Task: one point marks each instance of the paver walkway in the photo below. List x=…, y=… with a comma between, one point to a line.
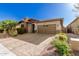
x=22, y=48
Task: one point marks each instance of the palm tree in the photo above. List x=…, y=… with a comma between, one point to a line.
x=8, y=26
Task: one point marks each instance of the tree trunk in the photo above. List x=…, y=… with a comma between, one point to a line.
x=5, y=34
x=4, y=31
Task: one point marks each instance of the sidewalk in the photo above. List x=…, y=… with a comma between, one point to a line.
x=22, y=48
x=5, y=52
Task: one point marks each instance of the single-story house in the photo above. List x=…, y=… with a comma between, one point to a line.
x=45, y=26
x=73, y=27
x=28, y=24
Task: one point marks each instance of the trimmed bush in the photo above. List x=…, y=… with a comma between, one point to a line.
x=61, y=43
x=62, y=36
x=12, y=32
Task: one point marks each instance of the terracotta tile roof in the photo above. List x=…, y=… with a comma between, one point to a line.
x=28, y=19
x=37, y=21
x=49, y=20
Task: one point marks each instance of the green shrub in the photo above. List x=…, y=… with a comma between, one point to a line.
x=12, y=32
x=21, y=30
x=62, y=36
x=60, y=42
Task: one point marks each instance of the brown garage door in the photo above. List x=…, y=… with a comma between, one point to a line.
x=51, y=28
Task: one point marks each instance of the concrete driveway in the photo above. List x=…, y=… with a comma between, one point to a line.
x=73, y=35
x=22, y=48
x=34, y=38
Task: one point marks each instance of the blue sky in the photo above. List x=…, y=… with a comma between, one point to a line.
x=39, y=11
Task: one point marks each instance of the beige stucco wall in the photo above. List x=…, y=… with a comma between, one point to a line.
x=74, y=44
x=18, y=26
x=58, y=24
x=74, y=26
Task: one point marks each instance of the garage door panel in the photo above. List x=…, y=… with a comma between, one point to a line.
x=47, y=28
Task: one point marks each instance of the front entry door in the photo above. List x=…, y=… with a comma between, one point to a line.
x=29, y=28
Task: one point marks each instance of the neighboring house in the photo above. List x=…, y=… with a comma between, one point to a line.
x=46, y=26
x=73, y=27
